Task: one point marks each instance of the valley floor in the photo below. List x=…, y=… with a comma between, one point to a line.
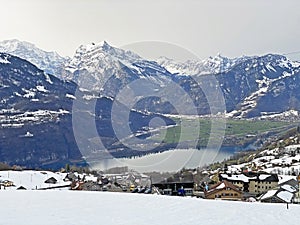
x=71, y=207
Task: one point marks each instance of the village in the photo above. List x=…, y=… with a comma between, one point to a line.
x=270, y=175
x=246, y=186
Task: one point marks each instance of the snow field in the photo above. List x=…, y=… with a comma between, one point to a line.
x=73, y=208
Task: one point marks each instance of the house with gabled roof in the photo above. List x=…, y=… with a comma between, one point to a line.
x=290, y=185
x=277, y=196
x=291, y=181
x=224, y=190
x=251, y=182
x=284, y=193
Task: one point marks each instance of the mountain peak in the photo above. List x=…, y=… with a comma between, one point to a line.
x=13, y=45
x=104, y=44
x=219, y=55
x=95, y=51
x=211, y=65
x=218, y=59
x=50, y=62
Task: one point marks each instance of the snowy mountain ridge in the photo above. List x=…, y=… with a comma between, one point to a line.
x=248, y=83
x=282, y=73
x=258, y=78
x=217, y=64
x=93, y=64
x=51, y=62
x=211, y=65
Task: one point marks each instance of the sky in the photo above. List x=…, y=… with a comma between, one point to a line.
x=157, y=27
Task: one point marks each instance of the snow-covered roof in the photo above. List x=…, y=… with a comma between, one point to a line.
x=285, y=196
x=269, y=194
x=285, y=178
x=221, y=186
x=289, y=188
x=263, y=176
x=236, y=177
x=246, y=178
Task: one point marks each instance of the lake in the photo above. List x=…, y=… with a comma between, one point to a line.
x=168, y=161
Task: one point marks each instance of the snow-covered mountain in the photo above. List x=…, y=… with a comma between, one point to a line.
x=35, y=115
x=211, y=65
x=248, y=84
x=36, y=111
x=93, y=65
x=37, y=108
x=50, y=62
x=261, y=86
x=252, y=86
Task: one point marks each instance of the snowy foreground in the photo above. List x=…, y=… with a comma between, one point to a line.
x=79, y=208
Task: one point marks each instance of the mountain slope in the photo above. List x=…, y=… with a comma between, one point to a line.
x=37, y=109
x=101, y=66
x=36, y=118
x=211, y=65
x=281, y=156
x=250, y=85
x=120, y=74
x=256, y=86
x=261, y=85
x=35, y=121
x=50, y=62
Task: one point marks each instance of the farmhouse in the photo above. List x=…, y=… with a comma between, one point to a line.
x=224, y=190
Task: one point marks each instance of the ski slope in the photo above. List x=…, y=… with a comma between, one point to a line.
x=80, y=208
